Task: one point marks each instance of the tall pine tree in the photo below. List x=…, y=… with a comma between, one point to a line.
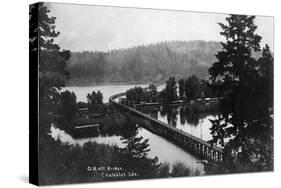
x=52, y=60
x=245, y=117
x=135, y=153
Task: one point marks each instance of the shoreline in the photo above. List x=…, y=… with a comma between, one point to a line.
x=108, y=84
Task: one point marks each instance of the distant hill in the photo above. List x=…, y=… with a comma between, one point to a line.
x=149, y=63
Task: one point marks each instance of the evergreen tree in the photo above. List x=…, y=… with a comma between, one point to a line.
x=152, y=89
x=99, y=98
x=135, y=95
x=135, y=154
x=206, y=89
x=266, y=72
x=68, y=100
x=52, y=60
x=181, y=88
x=95, y=102
x=171, y=90
x=243, y=119
x=192, y=88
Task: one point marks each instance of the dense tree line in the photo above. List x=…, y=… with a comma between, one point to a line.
x=155, y=62
x=95, y=102
x=137, y=95
x=68, y=105
x=188, y=89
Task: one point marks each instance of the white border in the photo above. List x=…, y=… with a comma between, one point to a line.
x=14, y=91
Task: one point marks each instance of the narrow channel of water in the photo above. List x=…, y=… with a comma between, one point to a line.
x=159, y=147
x=165, y=150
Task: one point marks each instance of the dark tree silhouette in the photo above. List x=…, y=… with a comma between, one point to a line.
x=192, y=88
x=245, y=117
x=95, y=102
x=68, y=100
x=181, y=88
x=171, y=90
x=52, y=60
x=207, y=90
x=135, y=153
x=266, y=72
x=153, y=94
x=135, y=95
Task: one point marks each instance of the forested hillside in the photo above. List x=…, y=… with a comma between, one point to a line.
x=149, y=63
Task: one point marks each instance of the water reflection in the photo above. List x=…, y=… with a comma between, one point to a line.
x=181, y=117
x=170, y=114
x=65, y=138
x=107, y=90
x=168, y=152
x=159, y=147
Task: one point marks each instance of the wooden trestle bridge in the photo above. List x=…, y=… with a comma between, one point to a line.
x=183, y=139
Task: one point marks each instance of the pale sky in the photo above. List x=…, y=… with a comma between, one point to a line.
x=101, y=28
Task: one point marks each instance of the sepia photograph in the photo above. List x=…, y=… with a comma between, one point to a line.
x=133, y=93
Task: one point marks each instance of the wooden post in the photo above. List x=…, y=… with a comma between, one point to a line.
x=203, y=150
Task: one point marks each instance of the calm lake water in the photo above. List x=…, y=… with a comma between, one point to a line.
x=195, y=124
x=107, y=90
x=160, y=147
